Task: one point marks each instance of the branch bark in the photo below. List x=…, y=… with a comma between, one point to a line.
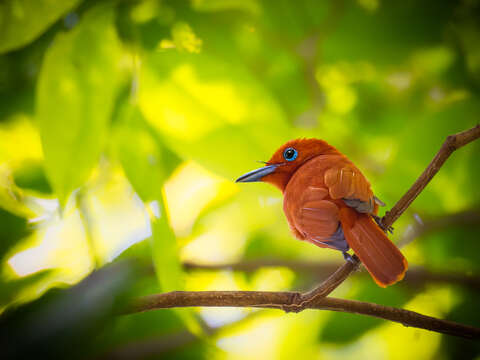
x=317, y=298
x=452, y=143
x=290, y=301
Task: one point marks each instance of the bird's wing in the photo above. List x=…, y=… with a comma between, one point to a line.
x=348, y=183
x=315, y=218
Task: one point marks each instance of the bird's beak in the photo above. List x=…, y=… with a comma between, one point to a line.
x=257, y=175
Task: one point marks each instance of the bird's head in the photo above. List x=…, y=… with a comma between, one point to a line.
x=286, y=160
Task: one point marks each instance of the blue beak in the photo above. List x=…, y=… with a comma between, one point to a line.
x=257, y=175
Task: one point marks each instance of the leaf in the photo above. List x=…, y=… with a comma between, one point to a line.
x=63, y=323
x=32, y=176
x=211, y=111
x=22, y=21
x=75, y=96
x=141, y=157
x=12, y=197
x=167, y=263
x=11, y=288
x=145, y=160
x=14, y=228
x=147, y=164
x=165, y=252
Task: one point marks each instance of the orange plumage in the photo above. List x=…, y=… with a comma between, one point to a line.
x=328, y=202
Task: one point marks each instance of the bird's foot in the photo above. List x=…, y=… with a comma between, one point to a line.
x=379, y=222
x=348, y=257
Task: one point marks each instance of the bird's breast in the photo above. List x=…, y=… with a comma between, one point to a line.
x=307, y=203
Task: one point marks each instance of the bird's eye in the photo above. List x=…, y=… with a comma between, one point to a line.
x=290, y=154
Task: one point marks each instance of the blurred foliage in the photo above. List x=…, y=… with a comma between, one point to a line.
x=344, y=327
x=23, y=21
x=83, y=84
x=123, y=124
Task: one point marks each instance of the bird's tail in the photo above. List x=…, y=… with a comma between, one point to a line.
x=381, y=257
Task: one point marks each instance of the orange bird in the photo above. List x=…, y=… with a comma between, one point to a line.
x=329, y=203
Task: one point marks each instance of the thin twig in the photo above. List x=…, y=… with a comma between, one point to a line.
x=316, y=299
x=452, y=143
x=280, y=300
x=327, y=286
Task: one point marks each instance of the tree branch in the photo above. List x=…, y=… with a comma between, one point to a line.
x=316, y=299
x=290, y=300
x=452, y=143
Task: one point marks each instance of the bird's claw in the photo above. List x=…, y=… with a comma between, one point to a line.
x=379, y=222
x=348, y=257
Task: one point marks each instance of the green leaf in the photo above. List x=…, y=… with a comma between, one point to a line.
x=211, y=111
x=141, y=157
x=75, y=96
x=147, y=163
x=145, y=160
x=12, y=197
x=32, y=176
x=165, y=252
x=14, y=228
x=167, y=263
x=22, y=21
x=11, y=288
x=90, y=306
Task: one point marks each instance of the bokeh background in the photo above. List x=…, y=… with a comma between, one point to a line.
x=123, y=125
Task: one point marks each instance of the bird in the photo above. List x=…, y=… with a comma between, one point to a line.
x=329, y=202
